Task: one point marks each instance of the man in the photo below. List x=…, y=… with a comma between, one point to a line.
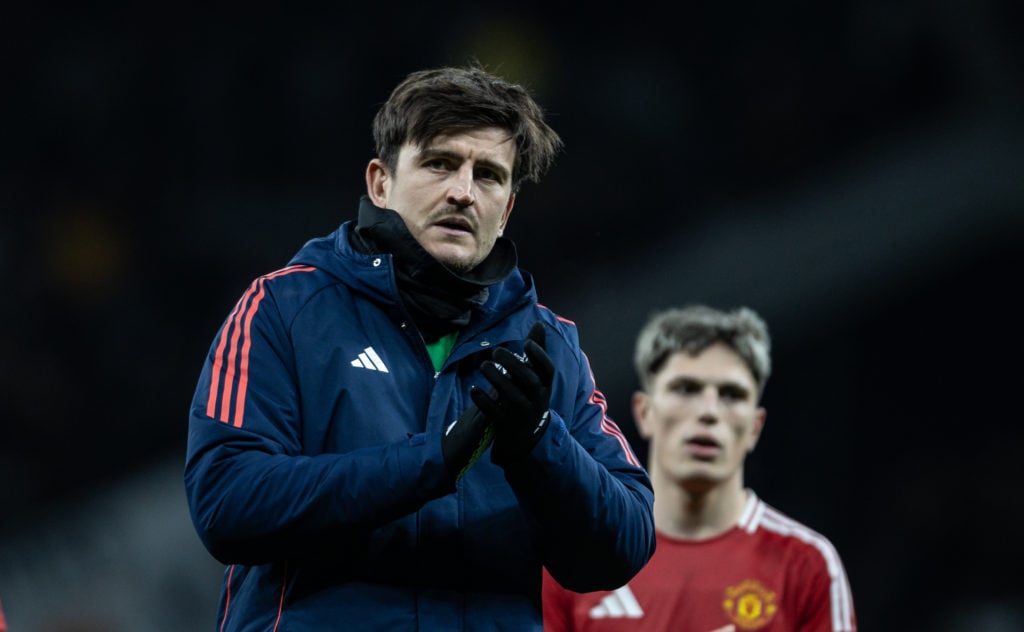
x=391, y=433
x=725, y=559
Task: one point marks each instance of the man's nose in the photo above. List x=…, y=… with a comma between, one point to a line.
x=709, y=404
x=460, y=192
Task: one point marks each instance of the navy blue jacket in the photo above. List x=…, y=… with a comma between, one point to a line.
x=314, y=467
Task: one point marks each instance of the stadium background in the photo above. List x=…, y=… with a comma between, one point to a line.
x=851, y=169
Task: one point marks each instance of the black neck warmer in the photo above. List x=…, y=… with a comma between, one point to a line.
x=439, y=300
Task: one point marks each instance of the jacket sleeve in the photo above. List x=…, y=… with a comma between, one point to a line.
x=253, y=496
x=582, y=485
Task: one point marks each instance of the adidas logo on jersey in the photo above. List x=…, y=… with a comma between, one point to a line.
x=369, y=359
x=621, y=604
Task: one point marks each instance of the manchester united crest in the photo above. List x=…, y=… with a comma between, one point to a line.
x=749, y=604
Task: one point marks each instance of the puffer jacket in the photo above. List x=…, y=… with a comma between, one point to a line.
x=314, y=469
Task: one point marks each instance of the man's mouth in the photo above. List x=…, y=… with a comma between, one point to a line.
x=455, y=223
x=703, y=447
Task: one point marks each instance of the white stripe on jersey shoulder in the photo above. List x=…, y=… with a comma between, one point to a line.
x=751, y=509
x=775, y=521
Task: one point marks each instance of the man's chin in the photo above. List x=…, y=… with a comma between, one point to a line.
x=459, y=266
x=457, y=262
x=699, y=479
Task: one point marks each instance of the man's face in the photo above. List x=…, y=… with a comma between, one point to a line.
x=454, y=194
x=701, y=418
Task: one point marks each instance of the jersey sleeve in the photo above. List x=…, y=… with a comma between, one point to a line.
x=828, y=602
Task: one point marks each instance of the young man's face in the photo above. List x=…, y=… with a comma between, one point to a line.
x=701, y=418
x=454, y=194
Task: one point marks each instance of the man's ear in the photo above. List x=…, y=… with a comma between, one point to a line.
x=377, y=181
x=507, y=214
x=760, y=415
x=640, y=404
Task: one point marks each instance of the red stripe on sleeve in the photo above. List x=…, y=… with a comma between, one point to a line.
x=564, y=320
x=280, y=603
x=227, y=597
x=218, y=356
x=229, y=376
x=226, y=357
x=607, y=425
x=243, y=371
x=613, y=429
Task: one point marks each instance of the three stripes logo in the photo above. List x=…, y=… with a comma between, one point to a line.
x=620, y=604
x=229, y=375
x=369, y=359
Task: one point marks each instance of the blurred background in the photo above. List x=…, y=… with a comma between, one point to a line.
x=854, y=170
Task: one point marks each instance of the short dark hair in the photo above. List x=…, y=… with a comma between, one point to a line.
x=694, y=328
x=428, y=103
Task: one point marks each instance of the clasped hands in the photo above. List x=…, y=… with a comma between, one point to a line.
x=513, y=416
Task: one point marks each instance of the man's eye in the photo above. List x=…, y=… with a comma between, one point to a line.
x=733, y=393
x=486, y=174
x=437, y=163
x=689, y=387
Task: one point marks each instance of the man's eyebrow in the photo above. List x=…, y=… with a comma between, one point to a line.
x=686, y=378
x=432, y=152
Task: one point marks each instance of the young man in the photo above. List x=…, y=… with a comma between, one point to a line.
x=725, y=559
x=391, y=433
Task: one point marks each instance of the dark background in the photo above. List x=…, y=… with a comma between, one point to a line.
x=852, y=170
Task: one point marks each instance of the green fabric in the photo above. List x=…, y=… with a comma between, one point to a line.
x=441, y=348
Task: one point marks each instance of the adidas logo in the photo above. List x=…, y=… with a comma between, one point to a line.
x=369, y=359
x=621, y=604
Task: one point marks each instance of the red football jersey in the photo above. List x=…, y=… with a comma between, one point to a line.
x=768, y=573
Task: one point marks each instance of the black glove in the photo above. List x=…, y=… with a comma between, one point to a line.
x=519, y=407
x=465, y=439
